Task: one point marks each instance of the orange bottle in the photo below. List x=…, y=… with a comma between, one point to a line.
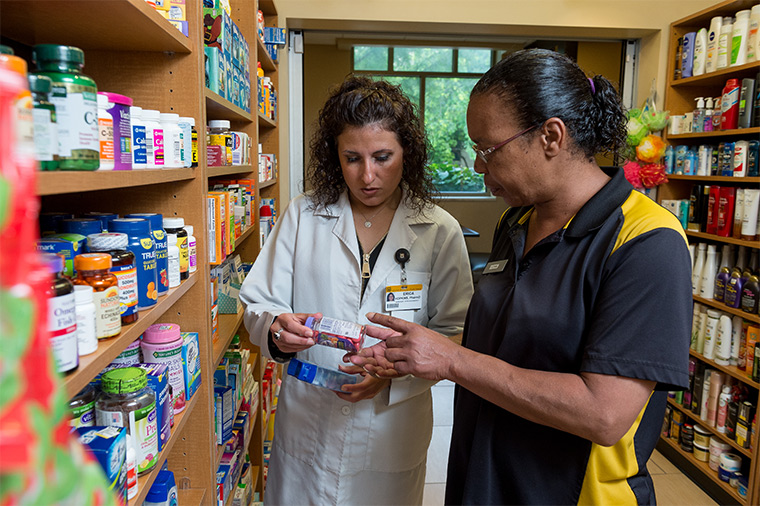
x=92, y=269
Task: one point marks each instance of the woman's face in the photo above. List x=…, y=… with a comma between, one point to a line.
x=372, y=161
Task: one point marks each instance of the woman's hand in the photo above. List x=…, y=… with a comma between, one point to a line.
x=290, y=335
x=368, y=388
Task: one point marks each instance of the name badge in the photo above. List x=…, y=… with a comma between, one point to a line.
x=403, y=297
x=494, y=267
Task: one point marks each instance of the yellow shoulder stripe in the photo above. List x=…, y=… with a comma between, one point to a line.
x=641, y=215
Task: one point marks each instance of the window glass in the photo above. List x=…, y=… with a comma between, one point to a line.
x=370, y=58
x=409, y=85
x=475, y=61
x=422, y=59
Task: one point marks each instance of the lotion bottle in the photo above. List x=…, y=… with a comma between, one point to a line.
x=723, y=343
x=723, y=400
x=705, y=399
x=700, y=52
x=713, y=34
x=724, y=43
x=736, y=339
x=739, y=39
x=709, y=271
x=711, y=335
x=696, y=275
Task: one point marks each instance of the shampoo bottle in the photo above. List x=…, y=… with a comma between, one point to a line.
x=723, y=400
x=732, y=297
x=696, y=275
x=716, y=385
x=713, y=34
x=720, y=284
x=724, y=43
x=711, y=335
x=739, y=39
x=700, y=52
x=702, y=330
x=736, y=339
x=753, y=40
x=723, y=343
x=709, y=271
x=705, y=398
x=695, y=319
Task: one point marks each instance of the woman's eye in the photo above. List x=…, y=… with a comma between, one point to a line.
x=383, y=158
x=352, y=159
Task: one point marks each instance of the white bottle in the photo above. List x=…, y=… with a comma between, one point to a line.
x=192, y=252
x=753, y=39
x=709, y=271
x=173, y=148
x=172, y=251
x=154, y=138
x=186, y=124
x=132, y=486
x=738, y=212
x=736, y=339
x=711, y=336
x=713, y=34
x=700, y=52
x=695, y=325
x=740, y=158
x=724, y=43
x=739, y=39
x=702, y=329
x=741, y=258
x=723, y=401
x=723, y=342
x=696, y=273
x=139, y=153
x=727, y=256
x=87, y=339
x=105, y=134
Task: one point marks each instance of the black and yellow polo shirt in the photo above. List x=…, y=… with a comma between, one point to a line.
x=610, y=293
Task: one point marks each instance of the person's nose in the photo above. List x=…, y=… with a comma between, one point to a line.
x=479, y=165
x=368, y=172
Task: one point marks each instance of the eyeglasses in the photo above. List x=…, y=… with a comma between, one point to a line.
x=483, y=154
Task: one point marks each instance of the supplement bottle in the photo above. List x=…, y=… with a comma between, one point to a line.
x=87, y=337
x=81, y=226
x=159, y=241
x=104, y=218
x=173, y=148
x=192, y=260
x=339, y=334
x=141, y=245
x=92, y=269
x=194, y=144
x=139, y=143
x=45, y=127
x=50, y=223
x=162, y=344
x=75, y=98
x=24, y=108
x=187, y=125
x=176, y=226
x=130, y=355
x=174, y=279
x=62, y=319
x=82, y=407
x=123, y=267
x=127, y=401
x=118, y=107
x=154, y=138
x=219, y=135
x=105, y=133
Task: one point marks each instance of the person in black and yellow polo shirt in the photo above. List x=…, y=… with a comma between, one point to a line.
x=581, y=321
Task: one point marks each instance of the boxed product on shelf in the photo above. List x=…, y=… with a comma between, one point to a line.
x=108, y=445
x=223, y=484
x=267, y=167
x=191, y=362
x=216, y=213
x=274, y=35
x=225, y=411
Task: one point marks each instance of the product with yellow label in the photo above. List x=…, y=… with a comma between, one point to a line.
x=92, y=269
x=175, y=226
x=142, y=246
x=159, y=242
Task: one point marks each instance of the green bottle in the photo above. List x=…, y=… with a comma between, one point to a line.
x=45, y=127
x=75, y=98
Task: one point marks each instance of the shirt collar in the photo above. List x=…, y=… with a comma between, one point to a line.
x=599, y=207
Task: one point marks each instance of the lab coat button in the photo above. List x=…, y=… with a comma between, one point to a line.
x=346, y=410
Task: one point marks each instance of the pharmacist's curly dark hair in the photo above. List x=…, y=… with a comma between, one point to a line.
x=538, y=84
x=358, y=102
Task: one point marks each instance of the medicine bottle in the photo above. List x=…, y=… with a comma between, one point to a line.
x=92, y=269
x=103, y=218
x=105, y=133
x=339, y=334
x=81, y=226
x=139, y=153
x=75, y=98
x=176, y=226
x=127, y=401
x=129, y=356
x=154, y=138
x=123, y=267
x=219, y=135
x=82, y=407
x=162, y=344
x=159, y=242
x=192, y=252
x=87, y=337
x=174, y=279
x=141, y=245
x=45, y=127
x=62, y=319
x=173, y=148
x=23, y=107
x=118, y=107
x=187, y=125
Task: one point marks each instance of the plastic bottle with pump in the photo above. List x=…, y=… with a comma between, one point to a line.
x=707, y=124
x=699, y=116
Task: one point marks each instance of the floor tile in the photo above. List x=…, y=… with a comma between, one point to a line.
x=678, y=490
x=438, y=455
x=443, y=405
x=664, y=464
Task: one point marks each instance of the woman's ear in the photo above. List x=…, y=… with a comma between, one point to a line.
x=553, y=136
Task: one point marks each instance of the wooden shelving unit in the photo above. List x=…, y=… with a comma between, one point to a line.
x=679, y=98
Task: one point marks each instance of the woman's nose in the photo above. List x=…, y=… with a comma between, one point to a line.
x=479, y=165
x=368, y=172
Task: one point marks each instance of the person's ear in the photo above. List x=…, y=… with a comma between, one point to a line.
x=553, y=136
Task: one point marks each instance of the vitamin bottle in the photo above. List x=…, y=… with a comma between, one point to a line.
x=139, y=143
x=176, y=226
x=219, y=135
x=103, y=218
x=82, y=407
x=174, y=279
x=130, y=355
x=45, y=127
x=194, y=144
x=162, y=344
x=159, y=241
x=123, y=267
x=92, y=269
x=86, y=334
x=192, y=252
x=141, y=245
x=81, y=226
x=62, y=319
x=187, y=125
x=75, y=98
x=118, y=107
x=154, y=138
x=173, y=146
x=24, y=108
x=127, y=401
x=105, y=134
x=339, y=334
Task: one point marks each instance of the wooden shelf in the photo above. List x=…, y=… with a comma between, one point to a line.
x=266, y=122
x=719, y=77
x=60, y=182
x=228, y=325
x=268, y=183
x=145, y=481
x=698, y=421
x=705, y=468
x=105, y=25
x=731, y=370
x=268, y=7
x=190, y=496
x=716, y=133
x=109, y=349
x=228, y=170
x=267, y=63
x=718, y=238
x=714, y=179
x=218, y=107
x=722, y=307
x=726, y=8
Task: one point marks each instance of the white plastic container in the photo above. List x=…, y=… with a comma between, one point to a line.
x=753, y=40
x=739, y=39
x=709, y=271
x=700, y=52
x=723, y=343
x=173, y=148
x=711, y=336
x=192, y=251
x=740, y=158
x=696, y=274
x=139, y=153
x=154, y=138
x=724, y=43
x=713, y=34
x=173, y=254
x=105, y=134
x=87, y=339
x=186, y=124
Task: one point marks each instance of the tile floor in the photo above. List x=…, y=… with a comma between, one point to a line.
x=671, y=486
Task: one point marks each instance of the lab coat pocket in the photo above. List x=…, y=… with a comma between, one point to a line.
x=296, y=425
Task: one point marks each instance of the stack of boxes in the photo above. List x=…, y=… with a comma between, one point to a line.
x=230, y=214
x=174, y=11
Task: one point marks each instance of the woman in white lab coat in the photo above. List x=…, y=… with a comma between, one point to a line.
x=367, y=223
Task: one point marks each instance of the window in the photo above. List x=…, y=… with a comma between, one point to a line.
x=439, y=81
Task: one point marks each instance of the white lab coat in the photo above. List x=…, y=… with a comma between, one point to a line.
x=327, y=450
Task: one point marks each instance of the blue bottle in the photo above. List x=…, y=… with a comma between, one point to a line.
x=103, y=217
x=753, y=159
x=690, y=163
x=670, y=160
x=83, y=226
x=687, y=55
x=727, y=159
x=141, y=245
x=162, y=252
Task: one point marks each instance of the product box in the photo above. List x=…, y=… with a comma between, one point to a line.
x=214, y=70
x=181, y=26
x=215, y=211
x=242, y=424
x=225, y=410
x=223, y=484
x=220, y=374
x=214, y=323
x=109, y=447
x=191, y=362
x=274, y=35
x=177, y=10
x=67, y=249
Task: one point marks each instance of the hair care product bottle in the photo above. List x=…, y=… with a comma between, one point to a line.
x=750, y=294
x=670, y=159
x=704, y=154
x=695, y=325
x=739, y=39
x=723, y=400
x=726, y=211
x=700, y=52
x=709, y=270
x=729, y=105
x=733, y=289
x=720, y=284
x=736, y=339
x=749, y=219
x=713, y=201
x=741, y=258
x=711, y=59
x=716, y=385
x=723, y=343
x=753, y=158
x=746, y=103
x=711, y=334
x=696, y=276
x=707, y=123
x=687, y=54
x=753, y=39
x=724, y=43
x=705, y=398
x=702, y=330
x=738, y=213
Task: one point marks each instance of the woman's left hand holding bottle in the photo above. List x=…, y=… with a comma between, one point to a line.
x=289, y=333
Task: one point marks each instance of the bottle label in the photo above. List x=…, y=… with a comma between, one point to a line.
x=76, y=113
x=86, y=335
x=126, y=275
x=62, y=323
x=150, y=157
x=105, y=137
x=45, y=135
x=83, y=416
x=107, y=312
x=145, y=259
x=139, y=153
x=192, y=257
x=184, y=254
x=143, y=426
x=159, y=239
x=171, y=355
x=194, y=147
x=158, y=146
x=174, y=278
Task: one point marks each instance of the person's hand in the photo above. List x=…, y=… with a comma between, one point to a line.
x=369, y=387
x=406, y=348
x=293, y=335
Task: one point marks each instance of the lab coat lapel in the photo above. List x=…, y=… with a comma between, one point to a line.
x=344, y=225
